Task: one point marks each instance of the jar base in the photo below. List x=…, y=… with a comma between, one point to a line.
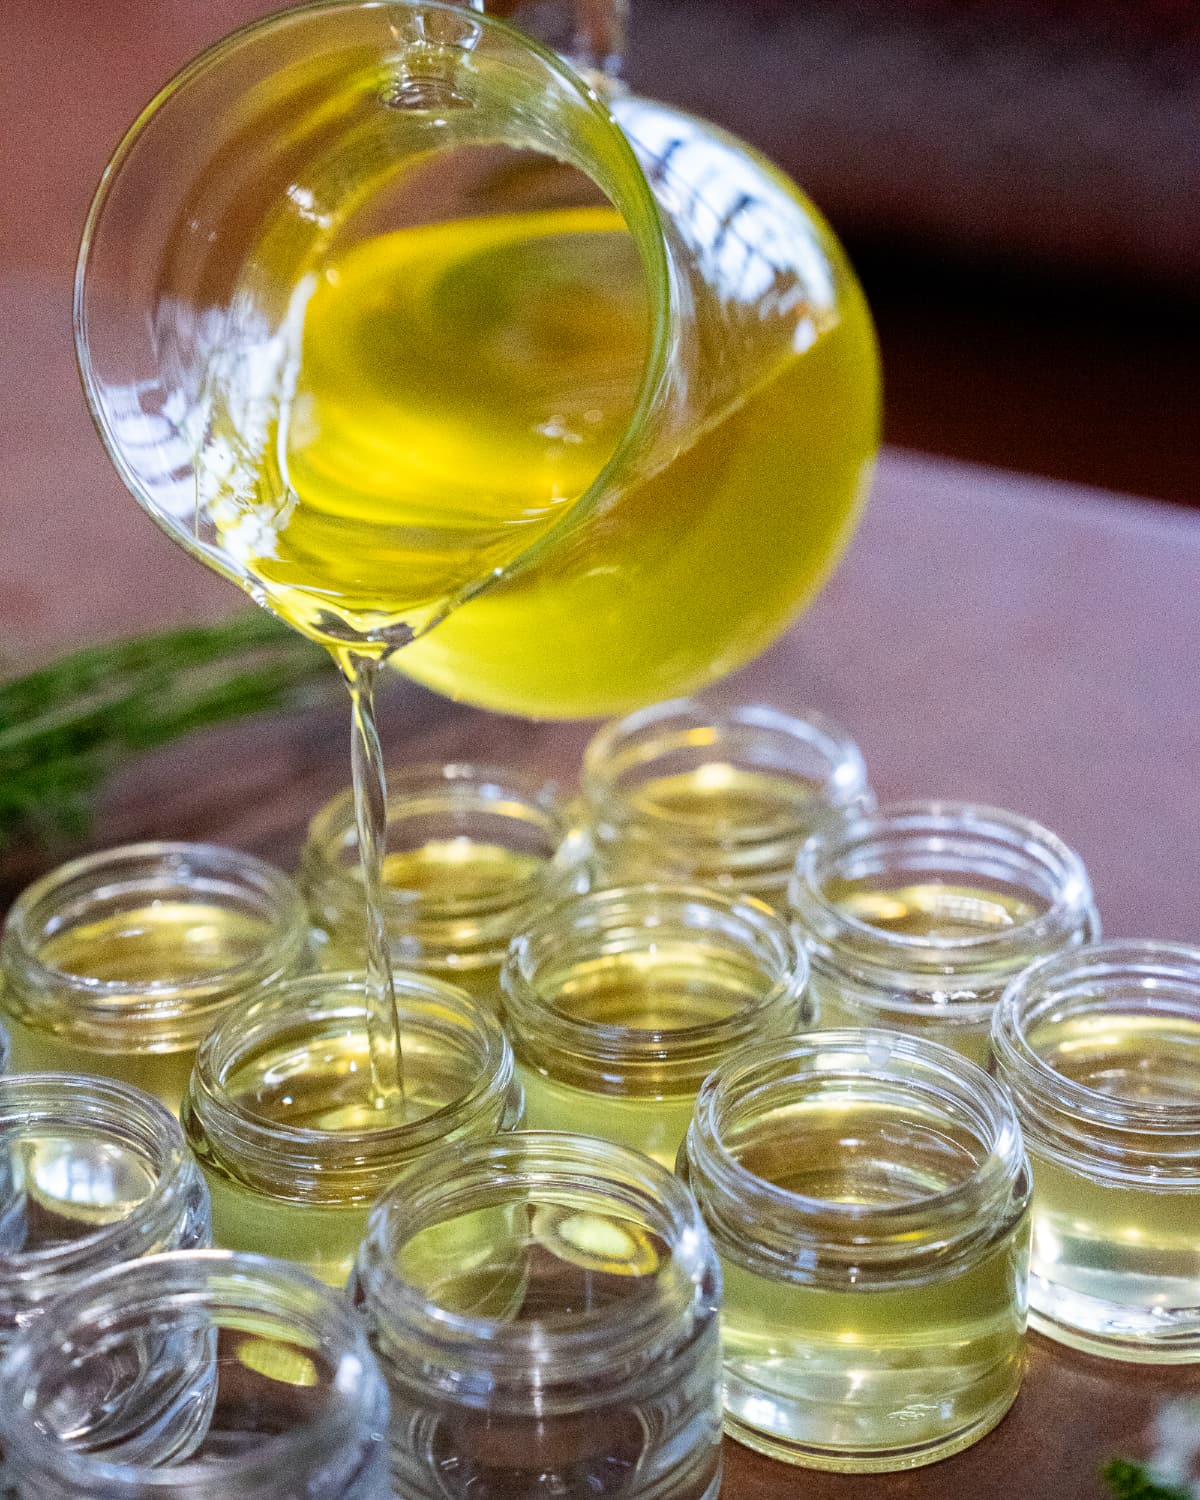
x=1112, y=1330
x=868, y=1460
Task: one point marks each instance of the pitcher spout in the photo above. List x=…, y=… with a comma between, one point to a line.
x=590, y=34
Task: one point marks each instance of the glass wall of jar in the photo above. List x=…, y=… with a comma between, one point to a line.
x=721, y=797
x=120, y=962
x=472, y=851
x=545, y=1309
x=195, y=1376
x=92, y=1173
x=620, y=1002
x=1100, y=1048
x=281, y=1117
x=916, y=916
x=868, y=1195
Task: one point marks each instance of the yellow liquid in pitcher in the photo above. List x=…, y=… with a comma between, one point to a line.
x=457, y=388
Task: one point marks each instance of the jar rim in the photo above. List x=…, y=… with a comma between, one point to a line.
x=546, y=1160
x=127, y=1113
x=1050, y=983
x=535, y=1017
x=155, y=1284
x=746, y=1077
x=830, y=927
x=27, y=924
x=614, y=750
x=472, y=784
x=424, y=1002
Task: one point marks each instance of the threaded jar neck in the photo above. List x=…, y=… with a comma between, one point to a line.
x=279, y=1096
x=595, y=1206
x=643, y=989
x=931, y=907
x=92, y=1173
x=472, y=849
x=726, y=798
x=1100, y=1048
x=308, y=1409
x=854, y=1158
x=141, y=948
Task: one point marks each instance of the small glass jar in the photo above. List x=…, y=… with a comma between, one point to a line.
x=120, y=962
x=619, y=1003
x=472, y=851
x=280, y=1116
x=868, y=1195
x=545, y=1310
x=1100, y=1048
x=92, y=1173
x=918, y=915
x=196, y=1376
x=724, y=798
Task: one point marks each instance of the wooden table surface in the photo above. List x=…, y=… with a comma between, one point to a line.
x=1004, y=639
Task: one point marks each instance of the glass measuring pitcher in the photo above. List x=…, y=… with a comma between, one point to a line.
x=388, y=315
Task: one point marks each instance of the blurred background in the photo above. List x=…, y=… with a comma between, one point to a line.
x=1019, y=185
x=1018, y=182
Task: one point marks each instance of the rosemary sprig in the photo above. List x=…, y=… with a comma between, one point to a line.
x=1130, y=1481
x=65, y=727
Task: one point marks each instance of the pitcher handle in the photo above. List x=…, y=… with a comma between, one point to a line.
x=590, y=34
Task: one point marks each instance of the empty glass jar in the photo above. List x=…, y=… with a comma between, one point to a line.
x=92, y=1173
x=719, y=797
x=280, y=1113
x=196, y=1376
x=120, y=962
x=472, y=851
x=545, y=1310
x=916, y=916
x=620, y=1002
x=868, y=1195
x=1100, y=1048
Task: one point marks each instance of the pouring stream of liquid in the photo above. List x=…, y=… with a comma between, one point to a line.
x=370, y=809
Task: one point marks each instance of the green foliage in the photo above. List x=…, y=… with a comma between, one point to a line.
x=64, y=728
x=1130, y=1481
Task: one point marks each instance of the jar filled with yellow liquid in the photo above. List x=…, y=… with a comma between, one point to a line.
x=545, y=1310
x=472, y=852
x=195, y=1376
x=120, y=962
x=1100, y=1048
x=620, y=1002
x=92, y=1173
x=721, y=797
x=918, y=915
x=868, y=1195
x=281, y=1119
